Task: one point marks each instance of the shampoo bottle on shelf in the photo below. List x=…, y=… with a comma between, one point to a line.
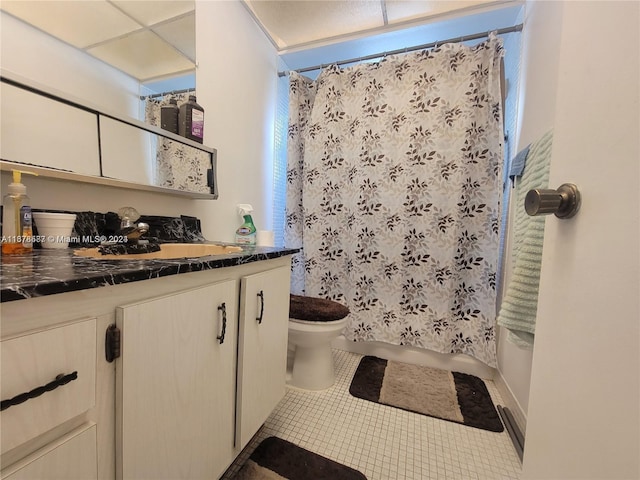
x=17, y=224
x=192, y=120
x=246, y=233
x=169, y=116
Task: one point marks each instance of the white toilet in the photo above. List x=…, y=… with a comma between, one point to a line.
x=313, y=324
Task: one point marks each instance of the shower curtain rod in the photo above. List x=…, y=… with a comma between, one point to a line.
x=464, y=38
x=172, y=92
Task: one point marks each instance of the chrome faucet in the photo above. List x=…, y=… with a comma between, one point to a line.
x=133, y=231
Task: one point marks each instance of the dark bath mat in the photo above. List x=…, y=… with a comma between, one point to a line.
x=452, y=396
x=279, y=457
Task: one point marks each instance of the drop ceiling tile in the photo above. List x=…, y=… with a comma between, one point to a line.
x=181, y=33
x=143, y=55
x=403, y=10
x=296, y=23
x=150, y=12
x=73, y=21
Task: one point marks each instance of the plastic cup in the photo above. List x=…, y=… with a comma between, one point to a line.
x=54, y=229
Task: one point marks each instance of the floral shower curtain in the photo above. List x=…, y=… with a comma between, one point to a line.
x=394, y=188
x=177, y=166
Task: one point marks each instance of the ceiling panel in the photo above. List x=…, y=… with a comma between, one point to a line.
x=301, y=22
x=146, y=39
x=151, y=12
x=181, y=33
x=143, y=55
x=78, y=23
x=403, y=10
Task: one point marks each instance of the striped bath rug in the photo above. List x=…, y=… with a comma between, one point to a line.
x=452, y=396
x=277, y=459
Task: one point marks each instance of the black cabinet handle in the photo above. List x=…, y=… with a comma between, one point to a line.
x=60, y=380
x=261, y=296
x=223, y=308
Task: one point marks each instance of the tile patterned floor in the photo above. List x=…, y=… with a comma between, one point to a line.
x=385, y=443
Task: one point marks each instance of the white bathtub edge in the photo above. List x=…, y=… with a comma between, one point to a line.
x=419, y=356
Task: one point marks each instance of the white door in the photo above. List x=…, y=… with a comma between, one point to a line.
x=584, y=404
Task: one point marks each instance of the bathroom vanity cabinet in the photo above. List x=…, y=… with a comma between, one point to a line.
x=202, y=364
x=176, y=408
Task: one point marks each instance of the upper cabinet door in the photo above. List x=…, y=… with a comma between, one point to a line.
x=42, y=131
x=128, y=153
x=262, y=349
x=141, y=156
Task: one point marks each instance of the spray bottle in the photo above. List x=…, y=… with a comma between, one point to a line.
x=17, y=229
x=246, y=234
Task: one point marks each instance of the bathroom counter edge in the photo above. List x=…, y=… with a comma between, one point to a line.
x=49, y=272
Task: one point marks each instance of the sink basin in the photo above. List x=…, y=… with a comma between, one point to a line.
x=167, y=251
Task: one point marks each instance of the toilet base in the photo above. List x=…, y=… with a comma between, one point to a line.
x=313, y=367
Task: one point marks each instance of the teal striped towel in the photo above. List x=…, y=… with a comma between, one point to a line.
x=520, y=303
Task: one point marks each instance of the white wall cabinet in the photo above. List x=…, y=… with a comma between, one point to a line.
x=175, y=384
x=262, y=349
x=55, y=135
x=38, y=130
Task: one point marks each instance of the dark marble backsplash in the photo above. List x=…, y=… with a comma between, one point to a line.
x=181, y=229
x=90, y=226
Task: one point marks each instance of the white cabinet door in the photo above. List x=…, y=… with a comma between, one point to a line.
x=41, y=131
x=262, y=349
x=128, y=153
x=175, y=385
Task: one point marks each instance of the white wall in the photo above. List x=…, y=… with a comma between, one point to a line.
x=537, y=92
x=236, y=83
x=236, y=80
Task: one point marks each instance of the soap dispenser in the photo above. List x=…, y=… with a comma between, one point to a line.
x=17, y=224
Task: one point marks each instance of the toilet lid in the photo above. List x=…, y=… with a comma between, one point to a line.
x=313, y=309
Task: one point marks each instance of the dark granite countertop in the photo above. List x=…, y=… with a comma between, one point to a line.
x=47, y=272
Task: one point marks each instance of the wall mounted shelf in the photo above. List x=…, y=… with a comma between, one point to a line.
x=64, y=138
x=64, y=175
